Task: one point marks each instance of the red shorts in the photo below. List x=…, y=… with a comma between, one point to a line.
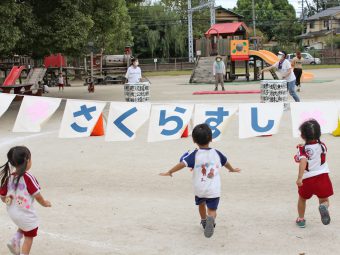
x=61, y=85
x=319, y=185
x=31, y=233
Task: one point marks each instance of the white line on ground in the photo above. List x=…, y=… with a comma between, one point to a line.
x=10, y=141
x=93, y=244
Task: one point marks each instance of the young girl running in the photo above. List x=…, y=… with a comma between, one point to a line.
x=206, y=163
x=18, y=189
x=313, y=176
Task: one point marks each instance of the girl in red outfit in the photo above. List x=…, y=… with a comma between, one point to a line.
x=19, y=189
x=313, y=176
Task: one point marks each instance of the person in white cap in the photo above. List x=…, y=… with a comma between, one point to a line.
x=284, y=67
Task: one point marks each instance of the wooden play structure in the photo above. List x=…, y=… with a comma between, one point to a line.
x=232, y=42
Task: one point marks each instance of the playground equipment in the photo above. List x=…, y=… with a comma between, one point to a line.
x=36, y=76
x=13, y=75
x=232, y=42
x=20, y=89
x=270, y=58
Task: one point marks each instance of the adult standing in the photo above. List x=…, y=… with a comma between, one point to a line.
x=134, y=73
x=297, y=65
x=219, y=72
x=284, y=67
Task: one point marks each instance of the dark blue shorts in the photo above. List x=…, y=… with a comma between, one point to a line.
x=212, y=203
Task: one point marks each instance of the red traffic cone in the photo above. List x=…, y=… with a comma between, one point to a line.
x=98, y=129
x=186, y=132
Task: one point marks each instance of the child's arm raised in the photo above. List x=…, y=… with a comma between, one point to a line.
x=176, y=168
x=302, y=167
x=42, y=201
x=231, y=169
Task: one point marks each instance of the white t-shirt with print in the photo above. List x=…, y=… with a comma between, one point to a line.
x=286, y=66
x=315, y=153
x=21, y=210
x=206, y=164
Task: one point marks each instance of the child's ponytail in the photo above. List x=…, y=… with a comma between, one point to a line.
x=17, y=157
x=4, y=174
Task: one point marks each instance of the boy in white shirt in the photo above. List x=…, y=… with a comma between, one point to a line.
x=205, y=163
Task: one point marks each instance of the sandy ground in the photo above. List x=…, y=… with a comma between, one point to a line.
x=108, y=198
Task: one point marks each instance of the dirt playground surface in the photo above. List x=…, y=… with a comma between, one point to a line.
x=107, y=197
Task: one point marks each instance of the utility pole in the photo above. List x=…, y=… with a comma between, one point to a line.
x=211, y=5
x=254, y=22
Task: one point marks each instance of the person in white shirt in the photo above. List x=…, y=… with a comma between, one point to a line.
x=61, y=81
x=284, y=67
x=313, y=176
x=206, y=164
x=134, y=73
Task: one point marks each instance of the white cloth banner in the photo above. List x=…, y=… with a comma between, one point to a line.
x=216, y=116
x=35, y=111
x=125, y=119
x=337, y=103
x=326, y=113
x=5, y=102
x=79, y=118
x=259, y=119
x=168, y=122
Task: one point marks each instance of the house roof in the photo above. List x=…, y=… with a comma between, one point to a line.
x=314, y=34
x=226, y=28
x=325, y=13
x=229, y=11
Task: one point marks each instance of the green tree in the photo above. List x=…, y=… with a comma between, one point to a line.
x=10, y=32
x=275, y=18
x=153, y=39
x=111, y=29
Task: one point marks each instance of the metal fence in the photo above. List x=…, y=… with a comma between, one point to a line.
x=168, y=64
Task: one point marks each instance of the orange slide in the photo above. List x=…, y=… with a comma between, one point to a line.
x=13, y=75
x=271, y=59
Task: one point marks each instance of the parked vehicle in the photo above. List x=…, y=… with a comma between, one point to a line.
x=308, y=59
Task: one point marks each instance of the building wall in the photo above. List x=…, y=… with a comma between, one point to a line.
x=323, y=24
x=225, y=17
x=318, y=43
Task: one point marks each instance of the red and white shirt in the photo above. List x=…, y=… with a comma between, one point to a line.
x=315, y=153
x=21, y=210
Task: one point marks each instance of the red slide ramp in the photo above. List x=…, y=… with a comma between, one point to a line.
x=13, y=75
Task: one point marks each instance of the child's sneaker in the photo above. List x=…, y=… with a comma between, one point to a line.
x=325, y=218
x=14, y=246
x=301, y=222
x=209, y=228
x=204, y=223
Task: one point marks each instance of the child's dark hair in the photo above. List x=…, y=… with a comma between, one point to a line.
x=202, y=134
x=310, y=130
x=18, y=157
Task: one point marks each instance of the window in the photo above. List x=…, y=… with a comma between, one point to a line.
x=326, y=24
x=311, y=24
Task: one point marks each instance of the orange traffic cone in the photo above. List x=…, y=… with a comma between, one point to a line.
x=186, y=132
x=98, y=129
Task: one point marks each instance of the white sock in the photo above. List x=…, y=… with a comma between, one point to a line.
x=18, y=235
